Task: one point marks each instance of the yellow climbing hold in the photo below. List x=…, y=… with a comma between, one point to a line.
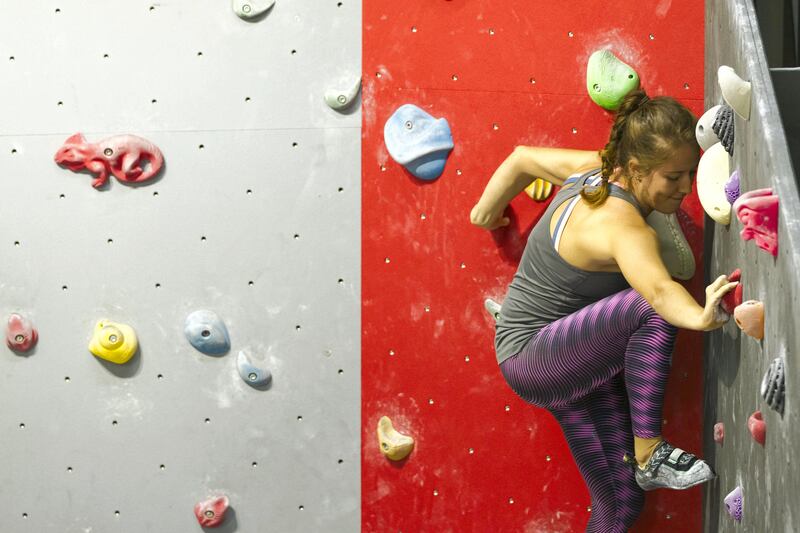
x=394, y=445
x=540, y=190
x=113, y=342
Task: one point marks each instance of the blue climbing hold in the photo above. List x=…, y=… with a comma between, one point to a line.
x=206, y=332
x=252, y=375
x=418, y=141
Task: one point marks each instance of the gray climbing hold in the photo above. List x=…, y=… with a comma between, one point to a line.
x=252, y=375
x=773, y=385
x=207, y=332
x=723, y=127
x=251, y=9
x=493, y=308
x=342, y=99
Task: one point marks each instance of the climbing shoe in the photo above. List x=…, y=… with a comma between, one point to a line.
x=671, y=468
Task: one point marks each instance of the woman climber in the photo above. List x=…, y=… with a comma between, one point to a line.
x=588, y=324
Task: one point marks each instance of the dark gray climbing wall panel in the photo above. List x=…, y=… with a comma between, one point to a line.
x=734, y=362
x=256, y=217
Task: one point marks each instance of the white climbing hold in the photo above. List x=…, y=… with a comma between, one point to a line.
x=341, y=99
x=704, y=131
x=712, y=174
x=251, y=9
x=736, y=92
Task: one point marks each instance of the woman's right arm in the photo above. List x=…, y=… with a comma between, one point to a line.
x=635, y=249
x=518, y=171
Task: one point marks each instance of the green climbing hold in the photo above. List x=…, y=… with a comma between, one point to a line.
x=608, y=79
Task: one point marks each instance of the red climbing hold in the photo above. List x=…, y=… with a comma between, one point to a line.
x=758, y=211
x=733, y=298
x=719, y=433
x=124, y=156
x=21, y=336
x=211, y=513
x=757, y=427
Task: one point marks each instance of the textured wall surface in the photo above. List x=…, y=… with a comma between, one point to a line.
x=256, y=164
x=502, y=74
x=735, y=363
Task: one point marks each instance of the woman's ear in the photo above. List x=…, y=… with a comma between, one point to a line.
x=634, y=169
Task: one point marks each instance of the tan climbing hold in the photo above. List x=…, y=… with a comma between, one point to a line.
x=749, y=316
x=394, y=445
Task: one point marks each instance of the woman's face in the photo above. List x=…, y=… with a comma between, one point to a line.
x=665, y=188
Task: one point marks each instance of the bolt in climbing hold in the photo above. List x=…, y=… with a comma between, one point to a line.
x=733, y=503
x=704, y=131
x=608, y=79
x=539, y=190
x=418, y=141
x=252, y=375
x=749, y=316
x=113, y=342
x=757, y=427
x=251, y=9
x=732, y=187
x=758, y=211
x=773, y=385
x=732, y=299
x=211, y=512
x=21, y=336
x=723, y=127
x=719, y=433
x=493, y=308
x=207, y=332
x=735, y=91
x=393, y=445
x=712, y=173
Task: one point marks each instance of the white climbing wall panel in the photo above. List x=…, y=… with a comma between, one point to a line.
x=256, y=216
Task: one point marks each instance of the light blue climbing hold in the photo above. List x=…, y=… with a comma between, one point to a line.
x=418, y=141
x=207, y=332
x=252, y=375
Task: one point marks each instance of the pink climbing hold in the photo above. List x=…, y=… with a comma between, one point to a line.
x=733, y=298
x=758, y=211
x=719, y=433
x=211, y=513
x=21, y=336
x=130, y=158
x=757, y=427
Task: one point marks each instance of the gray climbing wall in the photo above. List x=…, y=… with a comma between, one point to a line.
x=734, y=362
x=257, y=217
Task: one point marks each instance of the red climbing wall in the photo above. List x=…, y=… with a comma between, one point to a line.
x=502, y=73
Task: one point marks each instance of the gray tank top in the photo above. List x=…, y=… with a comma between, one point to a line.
x=546, y=287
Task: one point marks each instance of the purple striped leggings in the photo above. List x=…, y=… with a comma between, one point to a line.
x=601, y=371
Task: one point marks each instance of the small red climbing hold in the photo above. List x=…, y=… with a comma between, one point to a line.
x=757, y=427
x=21, y=336
x=733, y=298
x=719, y=432
x=211, y=513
